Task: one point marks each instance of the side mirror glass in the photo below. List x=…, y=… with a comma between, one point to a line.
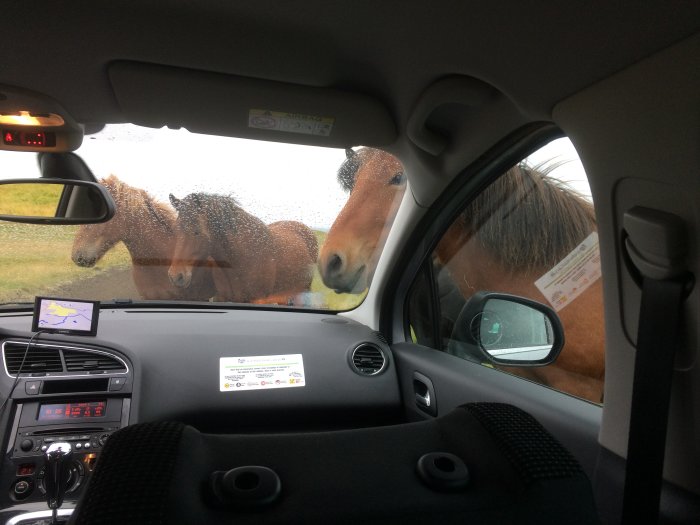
x=507, y=330
x=54, y=201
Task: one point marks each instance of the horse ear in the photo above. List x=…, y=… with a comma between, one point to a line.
x=174, y=201
x=349, y=153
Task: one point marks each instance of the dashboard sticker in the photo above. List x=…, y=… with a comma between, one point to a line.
x=573, y=275
x=261, y=372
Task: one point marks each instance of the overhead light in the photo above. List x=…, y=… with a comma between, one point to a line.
x=25, y=118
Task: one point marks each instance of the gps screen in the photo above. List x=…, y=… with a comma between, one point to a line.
x=65, y=316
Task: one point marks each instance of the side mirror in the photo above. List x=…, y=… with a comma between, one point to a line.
x=507, y=330
x=54, y=201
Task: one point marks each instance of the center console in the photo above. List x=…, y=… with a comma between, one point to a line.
x=85, y=423
x=77, y=405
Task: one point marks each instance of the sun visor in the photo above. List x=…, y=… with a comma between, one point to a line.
x=156, y=96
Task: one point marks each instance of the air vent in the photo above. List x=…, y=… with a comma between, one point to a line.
x=78, y=361
x=367, y=359
x=51, y=359
x=39, y=359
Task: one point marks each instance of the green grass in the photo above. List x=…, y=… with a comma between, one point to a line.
x=31, y=200
x=36, y=258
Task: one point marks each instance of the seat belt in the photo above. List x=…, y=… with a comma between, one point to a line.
x=656, y=246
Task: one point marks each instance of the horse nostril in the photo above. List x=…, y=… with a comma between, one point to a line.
x=335, y=264
x=81, y=260
x=180, y=279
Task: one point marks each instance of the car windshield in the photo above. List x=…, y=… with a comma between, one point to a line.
x=208, y=219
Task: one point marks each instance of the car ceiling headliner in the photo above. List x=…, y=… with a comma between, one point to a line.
x=537, y=53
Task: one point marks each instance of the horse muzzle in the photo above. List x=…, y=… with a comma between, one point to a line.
x=180, y=279
x=341, y=278
x=84, y=260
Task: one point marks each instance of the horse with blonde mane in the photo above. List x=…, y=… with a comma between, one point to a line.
x=146, y=228
x=250, y=261
x=520, y=227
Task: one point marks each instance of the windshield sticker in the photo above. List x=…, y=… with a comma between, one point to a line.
x=261, y=372
x=290, y=122
x=573, y=275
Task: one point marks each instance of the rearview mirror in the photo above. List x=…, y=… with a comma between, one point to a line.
x=54, y=201
x=507, y=330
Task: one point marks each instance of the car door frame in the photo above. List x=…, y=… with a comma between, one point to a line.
x=575, y=422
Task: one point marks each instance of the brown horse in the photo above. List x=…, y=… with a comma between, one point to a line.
x=516, y=230
x=146, y=228
x=376, y=183
x=296, y=251
x=250, y=262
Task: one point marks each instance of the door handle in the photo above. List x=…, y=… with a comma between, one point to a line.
x=424, y=394
x=423, y=400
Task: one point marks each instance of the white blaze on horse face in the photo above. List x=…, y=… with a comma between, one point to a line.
x=350, y=253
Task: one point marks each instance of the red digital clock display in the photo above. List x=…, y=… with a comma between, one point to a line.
x=29, y=138
x=64, y=411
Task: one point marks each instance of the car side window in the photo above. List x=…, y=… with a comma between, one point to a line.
x=530, y=233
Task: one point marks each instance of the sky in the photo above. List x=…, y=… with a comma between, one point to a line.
x=562, y=151
x=274, y=181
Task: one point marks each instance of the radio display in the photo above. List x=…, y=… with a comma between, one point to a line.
x=67, y=411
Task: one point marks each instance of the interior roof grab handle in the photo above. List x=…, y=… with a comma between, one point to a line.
x=461, y=90
x=656, y=242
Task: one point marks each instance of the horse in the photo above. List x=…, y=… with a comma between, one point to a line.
x=516, y=230
x=146, y=228
x=349, y=255
x=296, y=252
x=521, y=226
x=250, y=261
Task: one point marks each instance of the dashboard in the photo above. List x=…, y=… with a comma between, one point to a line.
x=221, y=371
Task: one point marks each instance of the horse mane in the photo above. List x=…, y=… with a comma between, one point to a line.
x=529, y=220
x=347, y=172
x=138, y=202
x=222, y=212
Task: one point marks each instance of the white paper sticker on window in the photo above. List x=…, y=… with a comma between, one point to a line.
x=261, y=372
x=573, y=275
x=290, y=122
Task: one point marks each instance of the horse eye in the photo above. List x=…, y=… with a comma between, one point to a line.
x=397, y=179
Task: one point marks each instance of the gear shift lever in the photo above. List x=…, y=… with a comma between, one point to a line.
x=58, y=464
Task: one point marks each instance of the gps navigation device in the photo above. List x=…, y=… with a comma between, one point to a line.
x=65, y=316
